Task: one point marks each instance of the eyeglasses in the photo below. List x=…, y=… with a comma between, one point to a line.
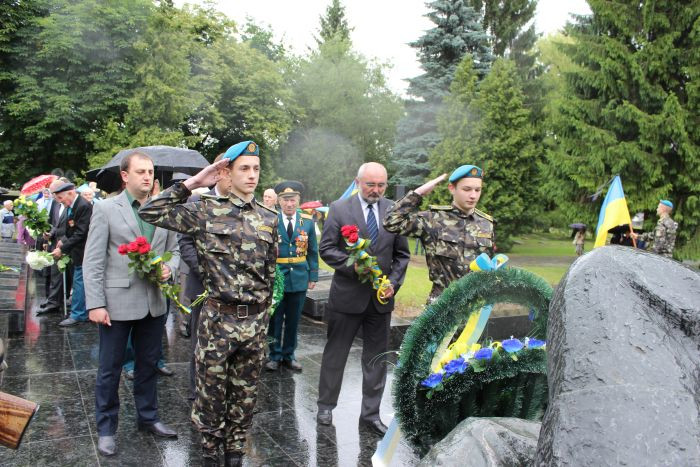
x=375, y=185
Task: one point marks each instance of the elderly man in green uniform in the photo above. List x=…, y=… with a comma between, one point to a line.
x=664, y=235
x=453, y=235
x=298, y=260
x=236, y=241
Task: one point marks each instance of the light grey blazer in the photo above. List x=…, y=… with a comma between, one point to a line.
x=106, y=273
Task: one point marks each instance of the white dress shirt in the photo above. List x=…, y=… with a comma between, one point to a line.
x=365, y=210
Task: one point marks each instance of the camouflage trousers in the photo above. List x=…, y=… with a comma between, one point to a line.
x=228, y=360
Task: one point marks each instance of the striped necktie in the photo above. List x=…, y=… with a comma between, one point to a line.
x=372, y=225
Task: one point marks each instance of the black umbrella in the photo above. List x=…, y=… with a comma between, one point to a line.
x=167, y=159
x=577, y=226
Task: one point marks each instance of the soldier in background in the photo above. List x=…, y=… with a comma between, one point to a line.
x=452, y=235
x=236, y=240
x=298, y=261
x=664, y=235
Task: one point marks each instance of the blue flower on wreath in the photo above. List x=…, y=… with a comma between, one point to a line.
x=512, y=345
x=535, y=343
x=458, y=365
x=484, y=354
x=432, y=380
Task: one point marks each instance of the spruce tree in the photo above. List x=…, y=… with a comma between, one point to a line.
x=487, y=124
x=457, y=32
x=631, y=107
x=333, y=24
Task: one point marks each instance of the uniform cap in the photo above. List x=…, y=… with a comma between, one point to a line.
x=666, y=202
x=244, y=148
x=470, y=171
x=289, y=187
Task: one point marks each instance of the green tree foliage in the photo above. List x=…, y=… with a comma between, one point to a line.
x=341, y=95
x=333, y=24
x=631, y=107
x=70, y=73
x=458, y=31
x=505, y=21
x=486, y=123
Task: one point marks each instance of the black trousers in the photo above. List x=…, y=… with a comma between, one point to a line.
x=146, y=336
x=55, y=295
x=342, y=329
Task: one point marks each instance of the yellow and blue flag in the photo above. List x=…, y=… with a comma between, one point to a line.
x=351, y=190
x=614, y=212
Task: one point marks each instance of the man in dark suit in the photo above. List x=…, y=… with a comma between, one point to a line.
x=353, y=304
x=194, y=286
x=54, y=277
x=72, y=243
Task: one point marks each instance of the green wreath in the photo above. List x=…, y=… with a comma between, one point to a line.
x=501, y=387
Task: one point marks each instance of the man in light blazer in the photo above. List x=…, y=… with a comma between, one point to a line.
x=353, y=304
x=122, y=303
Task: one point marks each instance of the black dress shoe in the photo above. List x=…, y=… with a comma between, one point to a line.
x=292, y=365
x=49, y=309
x=375, y=425
x=233, y=459
x=159, y=429
x=324, y=417
x=272, y=365
x=106, y=445
x=165, y=371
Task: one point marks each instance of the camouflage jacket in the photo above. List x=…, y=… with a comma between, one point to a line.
x=452, y=239
x=664, y=236
x=236, y=241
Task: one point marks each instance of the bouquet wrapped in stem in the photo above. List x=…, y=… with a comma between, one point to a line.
x=146, y=264
x=368, y=269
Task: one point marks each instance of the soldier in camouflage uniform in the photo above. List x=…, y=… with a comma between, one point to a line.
x=664, y=235
x=453, y=235
x=236, y=240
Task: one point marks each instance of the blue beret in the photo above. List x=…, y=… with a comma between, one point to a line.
x=244, y=148
x=666, y=202
x=471, y=171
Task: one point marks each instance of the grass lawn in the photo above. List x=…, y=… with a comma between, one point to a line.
x=416, y=286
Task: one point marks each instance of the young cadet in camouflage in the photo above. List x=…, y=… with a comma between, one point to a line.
x=664, y=235
x=453, y=235
x=236, y=240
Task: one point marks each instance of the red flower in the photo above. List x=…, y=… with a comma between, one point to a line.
x=353, y=237
x=348, y=230
x=132, y=247
x=143, y=249
x=140, y=241
x=123, y=249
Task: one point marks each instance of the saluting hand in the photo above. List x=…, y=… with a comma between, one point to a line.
x=430, y=186
x=208, y=176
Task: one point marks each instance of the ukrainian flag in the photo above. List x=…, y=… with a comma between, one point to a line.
x=614, y=212
x=352, y=189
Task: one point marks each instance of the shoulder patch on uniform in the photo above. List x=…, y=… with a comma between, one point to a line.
x=440, y=207
x=483, y=214
x=210, y=196
x=306, y=216
x=265, y=207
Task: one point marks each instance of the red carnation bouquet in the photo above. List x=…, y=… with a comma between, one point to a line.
x=146, y=264
x=368, y=268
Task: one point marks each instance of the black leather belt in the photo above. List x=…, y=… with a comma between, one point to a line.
x=239, y=310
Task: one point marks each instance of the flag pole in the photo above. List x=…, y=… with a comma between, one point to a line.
x=634, y=241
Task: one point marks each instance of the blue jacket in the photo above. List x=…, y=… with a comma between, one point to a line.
x=298, y=273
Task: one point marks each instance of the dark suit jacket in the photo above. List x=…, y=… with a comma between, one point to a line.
x=348, y=294
x=194, y=285
x=77, y=225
